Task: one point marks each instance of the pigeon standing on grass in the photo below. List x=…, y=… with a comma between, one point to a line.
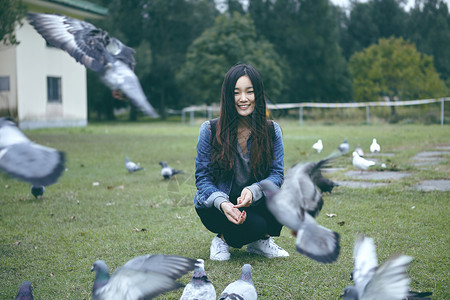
x=386, y=282
x=241, y=289
x=143, y=277
x=25, y=291
x=296, y=204
x=28, y=161
x=131, y=166
x=199, y=287
x=318, y=146
x=361, y=163
x=344, y=147
x=38, y=191
x=166, y=171
x=96, y=50
x=375, y=147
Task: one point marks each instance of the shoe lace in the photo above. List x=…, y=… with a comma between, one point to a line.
x=270, y=242
x=222, y=246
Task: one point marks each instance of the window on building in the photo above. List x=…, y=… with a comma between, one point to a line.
x=4, y=83
x=54, y=89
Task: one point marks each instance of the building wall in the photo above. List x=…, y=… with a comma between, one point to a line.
x=35, y=61
x=8, y=99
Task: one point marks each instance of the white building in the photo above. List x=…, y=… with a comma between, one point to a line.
x=42, y=86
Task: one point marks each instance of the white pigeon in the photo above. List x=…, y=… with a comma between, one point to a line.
x=372, y=282
x=359, y=150
x=131, y=166
x=296, y=204
x=344, y=147
x=28, y=161
x=375, y=147
x=199, y=287
x=143, y=277
x=96, y=50
x=318, y=146
x=241, y=289
x=361, y=163
x=167, y=172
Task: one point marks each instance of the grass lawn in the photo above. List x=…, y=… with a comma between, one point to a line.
x=53, y=242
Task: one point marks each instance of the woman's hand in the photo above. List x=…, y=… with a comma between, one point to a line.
x=245, y=200
x=233, y=214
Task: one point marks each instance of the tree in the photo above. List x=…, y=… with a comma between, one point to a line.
x=231, y=40
x=11, y=14
x=393, y=68
x=305, y=33
x=429, y=28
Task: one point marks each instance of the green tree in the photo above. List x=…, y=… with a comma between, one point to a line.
x=11, y=14
x=305, y=33
x=429, y=28
x=231, y=40
x=393, y=68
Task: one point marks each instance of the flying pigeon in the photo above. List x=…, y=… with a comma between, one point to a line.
x=166, y=171
x=199, y=287
x=361, y=163
x=96, y=50
x=324, y=184
x=131, y=166
x=143, y=277
x=386, y=282
x=296, y=204
x=25, y=291
x=243, y=288
x=375, y=147
x=344, y=147
x=359, y=150
x=28, y=161
x=318, y=146
x=38, y=191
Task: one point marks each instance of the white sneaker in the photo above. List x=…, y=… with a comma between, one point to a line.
x=219, y=249
x=267, y=248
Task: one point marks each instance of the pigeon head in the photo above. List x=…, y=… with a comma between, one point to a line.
x=350, y=293
x=246, y=273
x=199, y=271
x=163, y=164
x=101, y=270
x=25, y=291
x=37, y=191
x=127, y=159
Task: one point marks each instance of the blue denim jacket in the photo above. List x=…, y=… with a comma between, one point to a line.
x=209, y=194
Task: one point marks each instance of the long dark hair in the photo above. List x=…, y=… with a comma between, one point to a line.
x=225, y=142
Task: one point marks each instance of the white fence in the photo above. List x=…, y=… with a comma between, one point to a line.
x=210, y=109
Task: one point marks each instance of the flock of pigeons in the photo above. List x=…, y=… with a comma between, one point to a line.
x=295, y=204
x=358, y=161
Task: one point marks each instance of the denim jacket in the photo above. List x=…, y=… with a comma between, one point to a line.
x=209, y=194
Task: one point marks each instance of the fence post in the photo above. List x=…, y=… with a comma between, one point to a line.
x=367, y=115
x=301, y=115
x=442, y=111
x=191, y=121
x=183, y=116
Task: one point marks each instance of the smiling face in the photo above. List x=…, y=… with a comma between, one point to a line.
x=244, y=96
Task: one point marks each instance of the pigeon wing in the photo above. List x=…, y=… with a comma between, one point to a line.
x=365, y=262
x=82, y=40
x=128, y=283
x=391, y=280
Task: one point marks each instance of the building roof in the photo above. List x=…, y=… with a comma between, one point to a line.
x=75, y=8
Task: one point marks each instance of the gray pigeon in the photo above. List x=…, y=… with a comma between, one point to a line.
x=25, y=291
x=199, y=287
x=295, y=205
x=131, y=166
x=143, y=277
x=28, y=161
x=166, y=171
x=372, y=282
x=38, y=191
x=96, y=50
x=344, y=147
x=241, y=289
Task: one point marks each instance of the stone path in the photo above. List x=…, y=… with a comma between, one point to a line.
x=421, y=160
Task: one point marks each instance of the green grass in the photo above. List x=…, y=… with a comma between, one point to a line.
x=53, y=242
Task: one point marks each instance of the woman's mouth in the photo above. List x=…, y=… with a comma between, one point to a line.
x=243, y=106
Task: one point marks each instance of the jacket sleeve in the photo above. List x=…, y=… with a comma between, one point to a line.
x=276, y=174
x=207, y=192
